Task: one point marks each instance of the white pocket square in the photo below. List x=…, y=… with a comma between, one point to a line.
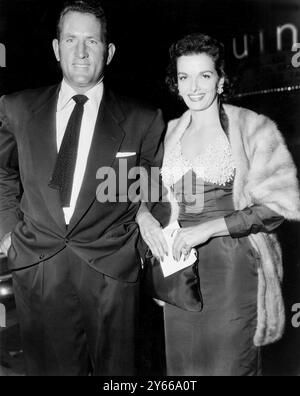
x=124, y=155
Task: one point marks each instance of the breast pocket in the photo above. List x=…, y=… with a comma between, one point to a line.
x=127, y=176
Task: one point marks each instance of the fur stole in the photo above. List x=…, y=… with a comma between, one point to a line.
x=265, y=175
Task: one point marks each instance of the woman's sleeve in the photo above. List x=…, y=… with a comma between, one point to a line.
x=257, y=218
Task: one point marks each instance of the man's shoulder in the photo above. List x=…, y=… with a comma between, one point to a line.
x=30, y=98
x=131, y=105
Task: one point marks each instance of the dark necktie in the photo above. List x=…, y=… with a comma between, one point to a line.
x=62, y=178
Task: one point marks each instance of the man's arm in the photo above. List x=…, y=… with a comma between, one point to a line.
x=151, y=160
x=9, y=178
x=153, y=212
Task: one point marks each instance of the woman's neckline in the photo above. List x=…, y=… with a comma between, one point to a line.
x=222, y=137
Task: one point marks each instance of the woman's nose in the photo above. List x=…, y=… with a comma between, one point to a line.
x=195, y=85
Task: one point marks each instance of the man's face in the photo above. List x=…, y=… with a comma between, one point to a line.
x=81, y=51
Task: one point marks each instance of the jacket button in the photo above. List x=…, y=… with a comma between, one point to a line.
x=42, y=256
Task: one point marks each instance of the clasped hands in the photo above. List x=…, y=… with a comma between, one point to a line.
x=184, y=240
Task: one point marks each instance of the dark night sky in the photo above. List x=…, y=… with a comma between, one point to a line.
x=143, y=31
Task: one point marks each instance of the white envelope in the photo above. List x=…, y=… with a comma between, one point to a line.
x=170, y=266
x=125, y=155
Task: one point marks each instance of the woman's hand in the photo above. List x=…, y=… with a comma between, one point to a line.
x=152, y=234
x=189, y=237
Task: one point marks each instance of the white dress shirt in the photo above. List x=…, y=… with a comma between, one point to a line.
x=65, y=106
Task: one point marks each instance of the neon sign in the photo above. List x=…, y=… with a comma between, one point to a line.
x=244, y=51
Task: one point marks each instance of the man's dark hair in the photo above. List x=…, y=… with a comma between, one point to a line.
x=93, y=7
x=196, y=43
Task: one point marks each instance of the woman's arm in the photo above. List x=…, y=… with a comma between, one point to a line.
x=189, y=237
x=257, y=218
x=238, y=224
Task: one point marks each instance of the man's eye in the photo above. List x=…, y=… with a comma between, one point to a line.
x=93, y=42
x=206, y=76
x=69, y=40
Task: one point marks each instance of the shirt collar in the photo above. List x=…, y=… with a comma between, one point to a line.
x=66, y=93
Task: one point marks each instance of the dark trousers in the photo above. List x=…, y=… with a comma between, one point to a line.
x=75, y=321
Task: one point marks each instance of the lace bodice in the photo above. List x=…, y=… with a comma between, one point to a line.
x=215, y=165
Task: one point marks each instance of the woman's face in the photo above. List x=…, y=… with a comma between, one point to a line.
x=198, y=80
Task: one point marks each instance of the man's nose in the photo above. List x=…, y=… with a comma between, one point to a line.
x=81, y=50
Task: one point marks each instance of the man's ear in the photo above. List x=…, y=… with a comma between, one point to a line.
x=111, y=52
x=55, y=46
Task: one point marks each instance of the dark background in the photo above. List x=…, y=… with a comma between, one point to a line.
x=143, y=31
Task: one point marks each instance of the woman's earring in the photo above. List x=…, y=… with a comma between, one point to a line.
x=220, y=90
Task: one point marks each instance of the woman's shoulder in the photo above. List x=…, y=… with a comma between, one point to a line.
x=242, y=114
x=172, y=124
x=250, y=122
x=177, y=126
x=238, y=111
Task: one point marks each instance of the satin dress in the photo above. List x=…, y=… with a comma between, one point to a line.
x=219, y=340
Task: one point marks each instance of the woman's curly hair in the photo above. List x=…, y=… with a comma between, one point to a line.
x=197, y=43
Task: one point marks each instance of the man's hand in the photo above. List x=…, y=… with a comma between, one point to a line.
x=152, y=234
x=5, y=244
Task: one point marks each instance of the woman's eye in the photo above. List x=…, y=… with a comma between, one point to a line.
x=182, y=78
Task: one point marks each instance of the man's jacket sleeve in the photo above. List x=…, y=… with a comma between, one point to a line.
x=9, y=174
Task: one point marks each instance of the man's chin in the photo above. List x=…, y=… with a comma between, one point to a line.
x=82, y=83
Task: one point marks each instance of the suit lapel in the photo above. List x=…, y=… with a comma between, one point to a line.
x=107, y=138
x=42, y=130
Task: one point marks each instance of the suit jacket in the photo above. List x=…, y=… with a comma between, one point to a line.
x=105, y=235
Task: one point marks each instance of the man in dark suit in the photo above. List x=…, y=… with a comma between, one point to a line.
x=75, y=258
